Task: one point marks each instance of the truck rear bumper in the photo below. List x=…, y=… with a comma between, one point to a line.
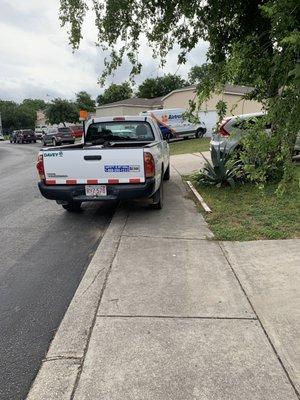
x=69, y=193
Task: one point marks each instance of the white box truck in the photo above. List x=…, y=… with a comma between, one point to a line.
x=174, y=118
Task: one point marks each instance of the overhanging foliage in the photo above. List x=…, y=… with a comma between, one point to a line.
x=254, y=41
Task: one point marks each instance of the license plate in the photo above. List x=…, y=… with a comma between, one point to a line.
x=95, y=190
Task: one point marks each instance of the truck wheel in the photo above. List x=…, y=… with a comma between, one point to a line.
x=158, y=197
x=199, y=133
x=73, y=206
x=167, y=173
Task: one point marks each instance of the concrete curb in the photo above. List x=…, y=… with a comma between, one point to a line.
x=198, y=197
x=58, y=373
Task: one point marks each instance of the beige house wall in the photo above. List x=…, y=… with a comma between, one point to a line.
x=119, y=110
x=235, y=103
x=179, y=99
x=109, y=111
x=134, y=110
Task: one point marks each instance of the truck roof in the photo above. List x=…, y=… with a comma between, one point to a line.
x=120, y=118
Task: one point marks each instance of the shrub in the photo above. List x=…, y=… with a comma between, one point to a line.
x=222, y=171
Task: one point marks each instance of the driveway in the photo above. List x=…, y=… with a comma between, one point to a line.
x=186, y=164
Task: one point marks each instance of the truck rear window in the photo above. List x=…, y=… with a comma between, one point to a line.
x=119, y=131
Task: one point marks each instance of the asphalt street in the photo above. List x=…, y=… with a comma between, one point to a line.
x=44, y=251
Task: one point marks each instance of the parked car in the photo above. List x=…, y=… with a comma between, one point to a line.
x=120, y=158
x=1, y=136
x=58, y=136
x=40, y=131
x=77, y=131
x=231, y=129
x=25, y=136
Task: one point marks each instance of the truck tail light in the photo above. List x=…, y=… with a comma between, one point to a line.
x=222, y=131
x=149, y=165
x=40, y=167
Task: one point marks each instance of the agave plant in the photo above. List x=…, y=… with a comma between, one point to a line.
x=221, y=171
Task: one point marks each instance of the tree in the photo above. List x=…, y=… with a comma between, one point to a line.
x=25, y=117
x=35, y=104
x=115, y=93
x=8, y=112
x=199, y=73
x=85, y=102
x=160, y=86
x=257, y=41
x=61, y=111
x=15, y=116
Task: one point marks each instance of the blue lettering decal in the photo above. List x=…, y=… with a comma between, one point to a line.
x=121, y=168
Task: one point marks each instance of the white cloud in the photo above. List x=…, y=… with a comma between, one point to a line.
x=37, y=61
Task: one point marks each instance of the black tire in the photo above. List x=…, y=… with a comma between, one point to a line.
x=199, y=133
x=72, y=207
x=167, y=174
x=158, y=197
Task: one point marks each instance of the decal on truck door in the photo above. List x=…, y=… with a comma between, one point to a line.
x=54, y=154
x=121, y=168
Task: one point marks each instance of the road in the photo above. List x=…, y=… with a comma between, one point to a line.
x=44, y=251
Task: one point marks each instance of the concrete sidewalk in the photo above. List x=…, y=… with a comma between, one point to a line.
x=161, y=314
x=186, y=164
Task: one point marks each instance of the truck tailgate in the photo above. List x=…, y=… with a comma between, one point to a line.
x=94, y=165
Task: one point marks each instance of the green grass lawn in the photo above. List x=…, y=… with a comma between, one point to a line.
x=248, y=213
x=189, y=146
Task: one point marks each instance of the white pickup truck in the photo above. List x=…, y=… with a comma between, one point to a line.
x=118, y=158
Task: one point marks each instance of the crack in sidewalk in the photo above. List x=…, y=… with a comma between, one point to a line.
x=93, y=281
x=57, y=358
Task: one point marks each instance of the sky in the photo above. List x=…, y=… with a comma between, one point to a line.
x=36, y=60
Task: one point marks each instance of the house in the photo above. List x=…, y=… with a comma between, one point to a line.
x=180, y=98
x=41, y=118
x=133, y=106
x=232, y=95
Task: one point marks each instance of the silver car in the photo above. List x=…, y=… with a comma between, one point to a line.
x=231, y=129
